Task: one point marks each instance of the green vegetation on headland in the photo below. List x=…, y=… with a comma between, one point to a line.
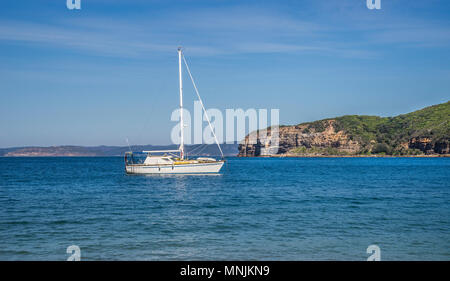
x=330, y=151
x=423, y=132
x=414, y=133
x=303, y=150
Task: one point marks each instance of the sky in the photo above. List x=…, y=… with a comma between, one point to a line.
x=109, y=71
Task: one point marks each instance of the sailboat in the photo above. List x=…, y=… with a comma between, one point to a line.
x=175, y=161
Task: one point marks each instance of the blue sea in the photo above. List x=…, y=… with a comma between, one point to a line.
x=257, y=209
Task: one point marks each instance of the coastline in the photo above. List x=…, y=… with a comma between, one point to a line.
x=348, y=156
x=238, y=156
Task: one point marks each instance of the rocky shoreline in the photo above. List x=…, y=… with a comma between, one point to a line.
x=423, y=133
x=349, y=156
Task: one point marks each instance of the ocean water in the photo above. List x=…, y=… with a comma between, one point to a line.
x=258, y=209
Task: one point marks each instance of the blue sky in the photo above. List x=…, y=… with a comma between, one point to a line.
x=109, y=71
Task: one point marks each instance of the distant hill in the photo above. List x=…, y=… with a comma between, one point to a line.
x=422, y=132
x=200, y=150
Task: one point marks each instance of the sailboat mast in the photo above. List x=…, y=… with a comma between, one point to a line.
x=181, y=106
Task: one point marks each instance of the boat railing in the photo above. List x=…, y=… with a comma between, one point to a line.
x=133, y=158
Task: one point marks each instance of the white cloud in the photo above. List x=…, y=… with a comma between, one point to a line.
x=210, y=32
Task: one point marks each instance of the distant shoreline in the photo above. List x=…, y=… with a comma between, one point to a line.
x=104, y=151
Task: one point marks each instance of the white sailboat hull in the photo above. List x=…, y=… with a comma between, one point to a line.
x=191, y=168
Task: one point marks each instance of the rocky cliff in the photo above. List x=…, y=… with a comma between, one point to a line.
x=423, y=132
x=300, y=139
